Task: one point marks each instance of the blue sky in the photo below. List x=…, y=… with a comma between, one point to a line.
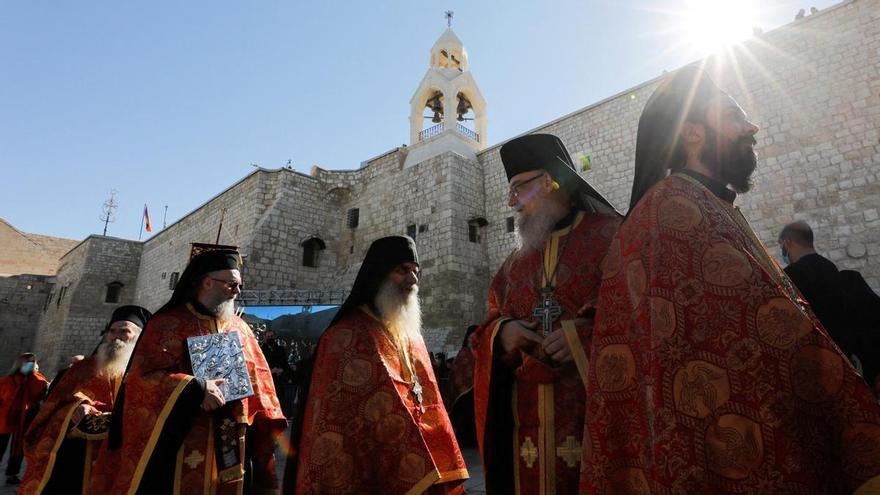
x=170, y=102
x=272, y=312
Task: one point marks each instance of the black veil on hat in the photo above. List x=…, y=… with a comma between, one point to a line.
x=546, y=152
x=383, y=256
x=199, y=266
x=682, y=96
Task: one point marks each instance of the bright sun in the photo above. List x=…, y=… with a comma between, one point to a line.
x=709, y=25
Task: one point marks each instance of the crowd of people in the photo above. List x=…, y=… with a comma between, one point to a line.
x=665, y=351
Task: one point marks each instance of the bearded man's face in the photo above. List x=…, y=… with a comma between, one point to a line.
x=116, y=347
x=729, y=144
x=536, y=213
x=398, y=302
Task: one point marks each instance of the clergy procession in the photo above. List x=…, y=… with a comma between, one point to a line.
x=662, y=351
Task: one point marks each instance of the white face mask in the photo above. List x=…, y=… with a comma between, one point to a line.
x=785, y=257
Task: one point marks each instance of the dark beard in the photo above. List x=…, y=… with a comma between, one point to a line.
x=734, y=162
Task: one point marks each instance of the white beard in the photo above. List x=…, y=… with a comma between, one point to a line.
x=400, y=312
x=113, y=357
x=534, y=229
x=223, y=311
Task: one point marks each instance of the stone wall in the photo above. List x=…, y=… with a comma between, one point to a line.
x=22, y=299
x=813, y=88
x=168, y=251
x=438, y=197
x=77, y=312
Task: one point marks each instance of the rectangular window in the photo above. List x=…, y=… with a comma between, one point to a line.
x=114, y=290
x=310, y=255
x=48, y=301
x=473, y=233
x=353, y=218
x=411, y=231
x=423, y=228
x=172, y=281
x=510, y=225
x=61, y=296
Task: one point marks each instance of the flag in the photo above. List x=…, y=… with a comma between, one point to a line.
x=147, y=219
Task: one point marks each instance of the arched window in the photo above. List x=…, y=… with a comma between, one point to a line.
x=311, y=250
x=114, y=291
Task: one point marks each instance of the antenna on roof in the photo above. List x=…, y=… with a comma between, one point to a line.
x=108, y=210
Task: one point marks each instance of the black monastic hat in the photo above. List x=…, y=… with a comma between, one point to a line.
x=383, y=256
x=682, y=96
x=199, y=266
x=546, y=152
x=135, y=314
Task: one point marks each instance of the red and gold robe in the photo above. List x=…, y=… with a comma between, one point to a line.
x=157, y=387
x=52, y=449
x=363, y=430
x=19, y=394
x=708, y=372
x=529, y=413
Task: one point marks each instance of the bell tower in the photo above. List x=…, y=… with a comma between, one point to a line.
x=447, y=110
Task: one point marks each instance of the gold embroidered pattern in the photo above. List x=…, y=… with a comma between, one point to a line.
x=194, y=459
x=569, y=452
x=528, y=452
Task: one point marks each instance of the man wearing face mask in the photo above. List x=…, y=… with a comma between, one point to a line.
x=20, y=393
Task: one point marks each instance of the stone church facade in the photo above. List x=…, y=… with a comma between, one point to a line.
x=813, y=87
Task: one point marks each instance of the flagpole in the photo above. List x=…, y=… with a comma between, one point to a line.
x=141, y=232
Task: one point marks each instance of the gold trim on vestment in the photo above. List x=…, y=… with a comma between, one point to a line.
x=577, y=350
x=178, y=468
x=870, y=487
x=458, y=474
x=154, y=435
x=50, y=464
x=546, y=439
x=424, y=483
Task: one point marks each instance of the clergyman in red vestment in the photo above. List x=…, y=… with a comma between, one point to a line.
x=709, y=373
x=20, y=394
x=172, y=432
x=63, y=441
x=530, y=363
x=374, y=418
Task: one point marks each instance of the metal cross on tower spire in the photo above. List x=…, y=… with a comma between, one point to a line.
x=449, y=15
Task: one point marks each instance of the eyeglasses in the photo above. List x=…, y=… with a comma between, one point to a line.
x=230, y=284
x=514, y=191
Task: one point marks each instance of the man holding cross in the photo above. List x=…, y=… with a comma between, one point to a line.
x=530, y=375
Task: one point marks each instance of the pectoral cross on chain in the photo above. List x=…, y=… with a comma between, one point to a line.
x=417, y=391
x=548, y=310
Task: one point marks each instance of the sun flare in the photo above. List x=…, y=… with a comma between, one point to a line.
x=710, y=25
